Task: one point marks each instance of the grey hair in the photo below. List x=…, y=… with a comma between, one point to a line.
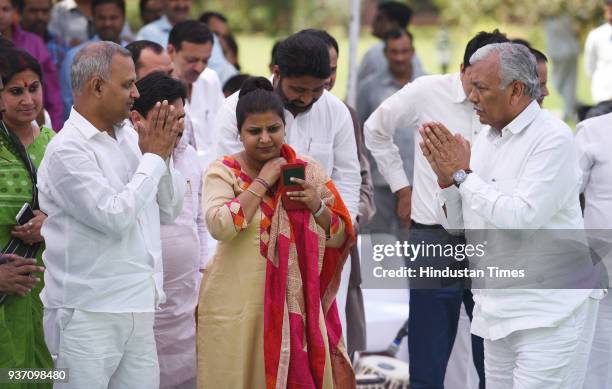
x=93, y=59
x=516, y=63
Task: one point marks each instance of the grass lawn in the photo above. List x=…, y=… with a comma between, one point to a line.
x=255, y=55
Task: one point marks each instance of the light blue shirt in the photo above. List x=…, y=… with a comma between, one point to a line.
x=374, y=61
x=65, y=83
x=159, y=30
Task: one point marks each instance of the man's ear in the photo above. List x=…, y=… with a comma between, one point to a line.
x=97, y=86
x=275, y=75
x=461, y=68
x=135, y=116
x=517, y=92
x=171, y=51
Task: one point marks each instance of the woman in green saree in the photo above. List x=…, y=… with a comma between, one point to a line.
x=22, y=146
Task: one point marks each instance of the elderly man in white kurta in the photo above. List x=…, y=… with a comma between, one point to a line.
x=522, y=175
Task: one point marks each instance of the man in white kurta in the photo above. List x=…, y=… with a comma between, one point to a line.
x=522, y=175
x=105, y=192
x=594, y=142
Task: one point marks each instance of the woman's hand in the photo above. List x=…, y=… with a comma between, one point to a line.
x=15, y=275
x=309, y=196
x=271, y=170
x=30, y=232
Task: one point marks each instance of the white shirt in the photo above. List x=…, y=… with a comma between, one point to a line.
x=525, y=179
x=104, y=202
x=598, y=62
x=438, y=98
x=206, y=99
x=594, y=143
x=325, y=132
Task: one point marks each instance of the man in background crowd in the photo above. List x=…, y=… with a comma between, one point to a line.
x=35, y=16
x=391, y=15
x=150, y=10
x=190, y=46
x=108, y=18
x=176, y=11
x=598, y=58
x=150, y=57
x=72, y=20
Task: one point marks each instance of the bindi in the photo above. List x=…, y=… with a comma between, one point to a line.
x=25, y=84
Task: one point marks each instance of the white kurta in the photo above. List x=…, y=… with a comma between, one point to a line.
x=183, y=253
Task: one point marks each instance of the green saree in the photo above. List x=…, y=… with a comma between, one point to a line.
x=22, y=343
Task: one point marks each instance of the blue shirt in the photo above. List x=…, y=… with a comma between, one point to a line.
x=159, y=30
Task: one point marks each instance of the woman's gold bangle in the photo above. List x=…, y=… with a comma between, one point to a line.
x=254, y=193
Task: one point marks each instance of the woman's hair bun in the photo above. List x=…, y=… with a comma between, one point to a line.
x=252, y=84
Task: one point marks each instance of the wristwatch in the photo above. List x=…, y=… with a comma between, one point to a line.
x=460, y=175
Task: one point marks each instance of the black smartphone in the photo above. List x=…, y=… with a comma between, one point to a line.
x=25, y=214
x=292, y=170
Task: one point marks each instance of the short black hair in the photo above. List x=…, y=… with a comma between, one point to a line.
x=303, y=54
x=234, y=83
x=13, y=61
x=137, y=47
x=190, y=31
x=397, y=12
x=396, y=33
x=481, y=39
x=119, y=3
x=257, y=96
x=326, y=37
x=206, y=16
x=539, y=56
x=157, y=87
x=274, y=50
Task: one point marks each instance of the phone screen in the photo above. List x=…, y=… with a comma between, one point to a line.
x=292, y=172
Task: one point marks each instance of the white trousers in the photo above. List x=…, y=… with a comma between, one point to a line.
x=103, y=350
x=550, y=357
x=599, y=370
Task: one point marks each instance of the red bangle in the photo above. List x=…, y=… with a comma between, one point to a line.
x=445, y=186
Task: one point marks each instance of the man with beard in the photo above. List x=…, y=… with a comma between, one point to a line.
x=109, y=18
x=176, y=11
x=318, y=123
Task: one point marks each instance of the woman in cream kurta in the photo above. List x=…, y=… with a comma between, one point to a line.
x=231, y=309
x=267, y=316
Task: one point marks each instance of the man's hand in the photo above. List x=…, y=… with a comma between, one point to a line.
x=445, y=152
x=404, y=205
x=14, y=275
x=160, y=137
